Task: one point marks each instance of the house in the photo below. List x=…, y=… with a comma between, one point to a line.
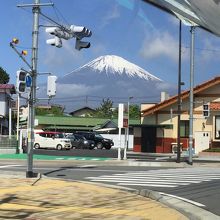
x=83, y=112
x=158, y=129
x=6, y=90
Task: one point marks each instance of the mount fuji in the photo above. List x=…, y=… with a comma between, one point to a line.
x=110, y=77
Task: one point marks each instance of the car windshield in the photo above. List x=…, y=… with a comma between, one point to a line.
x=98, y=135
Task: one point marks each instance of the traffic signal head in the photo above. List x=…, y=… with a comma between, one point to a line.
x=21, y=81
x=80, y=31
x=58, y=32
x=56, y=41
x=81, y=44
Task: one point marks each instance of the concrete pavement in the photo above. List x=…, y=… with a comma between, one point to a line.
x=45, y=198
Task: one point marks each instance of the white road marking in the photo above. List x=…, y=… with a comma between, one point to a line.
x=10, y=165
x=183, y=199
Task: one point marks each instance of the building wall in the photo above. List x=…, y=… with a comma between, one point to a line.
x=168, y=116
x=3, y=105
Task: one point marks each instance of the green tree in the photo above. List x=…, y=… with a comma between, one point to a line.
x=54, y=110
x=105, y=110
x=134, y=112
x=4, y=77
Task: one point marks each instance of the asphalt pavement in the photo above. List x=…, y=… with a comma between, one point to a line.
x=49, y=198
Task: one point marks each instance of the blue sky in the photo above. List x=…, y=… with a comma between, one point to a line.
x=132, y=29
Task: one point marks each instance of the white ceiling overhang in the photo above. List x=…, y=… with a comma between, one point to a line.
x=203, y=13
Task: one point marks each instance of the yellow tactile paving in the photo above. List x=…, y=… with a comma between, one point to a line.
x=56, y=199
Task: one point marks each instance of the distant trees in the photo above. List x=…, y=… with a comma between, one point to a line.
x=4, y=76
x=54, y=110
x=106, y=110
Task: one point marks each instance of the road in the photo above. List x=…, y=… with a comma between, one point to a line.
x=197, y=185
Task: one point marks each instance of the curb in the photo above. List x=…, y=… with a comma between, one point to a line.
x=191, y=211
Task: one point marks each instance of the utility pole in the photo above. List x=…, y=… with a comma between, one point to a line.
x=32, y=97
x=179, y=95
x=191, y=94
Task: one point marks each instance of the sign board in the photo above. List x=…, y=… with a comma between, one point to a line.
x=120, y=115
x=28, y=80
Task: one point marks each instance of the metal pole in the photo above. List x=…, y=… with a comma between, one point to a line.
x=191, y=94
x=32, y=98
x=179, y=94
x=9, y=122
x=119, y=147
x=18, y=115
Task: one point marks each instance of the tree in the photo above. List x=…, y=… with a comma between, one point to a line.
x=105, y=110
x=54, y=110
x=4, y=77
x=134, y=112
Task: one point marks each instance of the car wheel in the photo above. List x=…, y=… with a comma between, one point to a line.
x=99, y=145
x=81, y=146
x=59, y=147
x=91, y=147
x=108, y=147
x=37, y=146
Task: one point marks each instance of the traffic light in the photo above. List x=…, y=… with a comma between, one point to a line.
x=74, y=31
x=206, y=111
x=81, y=44
x=58, y=32
x=56, y=41
x=80, y=31
x=21, y=81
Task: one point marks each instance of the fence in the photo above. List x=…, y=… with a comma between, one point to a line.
x=8, y=143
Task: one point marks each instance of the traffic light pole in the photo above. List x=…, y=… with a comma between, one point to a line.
x=32, y=97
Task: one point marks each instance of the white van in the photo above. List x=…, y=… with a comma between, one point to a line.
x=50, y=139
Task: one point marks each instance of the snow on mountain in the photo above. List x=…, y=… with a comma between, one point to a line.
x=117, y=65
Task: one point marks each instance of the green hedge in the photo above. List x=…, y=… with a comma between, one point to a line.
x=212, y=150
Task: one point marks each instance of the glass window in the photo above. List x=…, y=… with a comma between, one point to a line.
x=217, y=127
x=184, y=128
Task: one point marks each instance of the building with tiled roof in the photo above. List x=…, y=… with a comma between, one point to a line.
x=158, y=129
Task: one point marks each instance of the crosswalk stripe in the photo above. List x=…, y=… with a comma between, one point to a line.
x=160, y=178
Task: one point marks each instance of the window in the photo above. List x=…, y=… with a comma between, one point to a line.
x=184, y=128
x=217, y=127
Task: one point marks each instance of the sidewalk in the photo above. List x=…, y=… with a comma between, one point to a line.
x=45, y=198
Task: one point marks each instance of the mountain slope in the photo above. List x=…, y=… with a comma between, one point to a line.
x=111, y=77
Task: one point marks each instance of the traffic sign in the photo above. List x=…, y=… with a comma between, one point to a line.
x=28, y=80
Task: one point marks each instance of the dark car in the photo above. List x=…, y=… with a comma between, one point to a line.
x=100, y=142
x=80, y=142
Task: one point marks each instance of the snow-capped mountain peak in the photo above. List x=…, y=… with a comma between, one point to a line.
x=117, y=65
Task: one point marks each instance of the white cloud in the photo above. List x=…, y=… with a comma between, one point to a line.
x=67, y=90
x=208, y=52
x=110, y=15
x=161, y=44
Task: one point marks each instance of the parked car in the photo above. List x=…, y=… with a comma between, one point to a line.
x=50, y=139
x=80, y=142
x=100, y=142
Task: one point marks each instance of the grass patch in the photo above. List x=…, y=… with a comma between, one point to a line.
x=212, y=150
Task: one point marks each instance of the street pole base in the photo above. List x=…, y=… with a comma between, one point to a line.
x=17, y=151
x=31, y=174
x=189, y=162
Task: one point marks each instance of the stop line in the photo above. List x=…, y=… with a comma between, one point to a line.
x=161, y=178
